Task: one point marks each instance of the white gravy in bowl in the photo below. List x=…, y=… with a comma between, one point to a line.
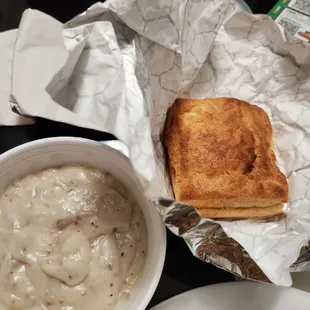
x=70, y=239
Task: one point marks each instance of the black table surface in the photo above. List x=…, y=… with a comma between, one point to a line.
x=182, y=271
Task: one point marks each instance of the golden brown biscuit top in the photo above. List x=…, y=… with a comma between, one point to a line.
x=222, y=148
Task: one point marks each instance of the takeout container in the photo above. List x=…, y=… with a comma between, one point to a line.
x=51, y=152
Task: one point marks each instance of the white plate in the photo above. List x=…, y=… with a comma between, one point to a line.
x=239, y=296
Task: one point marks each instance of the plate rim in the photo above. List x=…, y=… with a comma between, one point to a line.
x=241, y=283
x=245, y=6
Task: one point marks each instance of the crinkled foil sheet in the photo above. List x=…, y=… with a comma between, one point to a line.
x=208, y=242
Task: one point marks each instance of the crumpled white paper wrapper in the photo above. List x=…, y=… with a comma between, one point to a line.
x=7, y=116
x=120, y=65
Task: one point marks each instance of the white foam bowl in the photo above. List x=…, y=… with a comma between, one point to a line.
x=53, y=152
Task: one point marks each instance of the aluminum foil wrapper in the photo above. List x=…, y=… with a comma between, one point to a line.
x=119, y=66
x=208, y=241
